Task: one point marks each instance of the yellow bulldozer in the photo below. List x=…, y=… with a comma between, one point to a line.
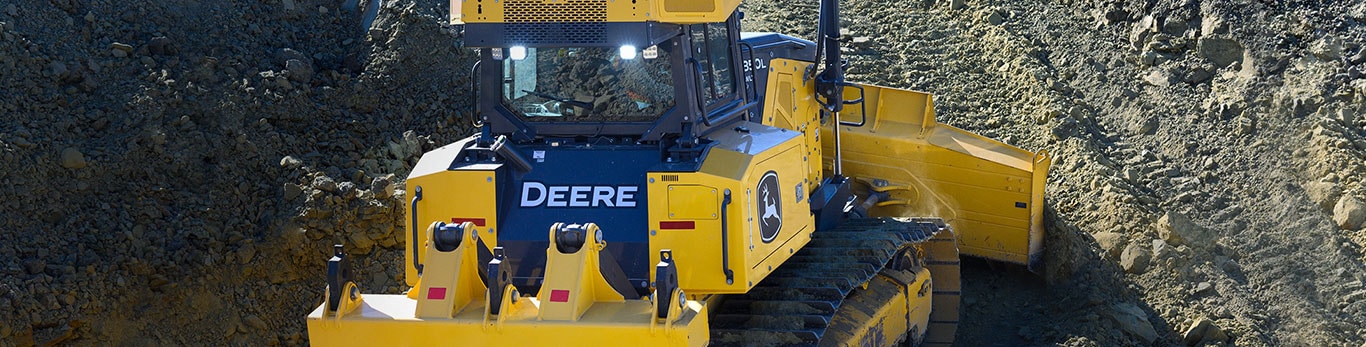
x=644, y=173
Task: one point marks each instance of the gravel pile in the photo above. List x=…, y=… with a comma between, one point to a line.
x=176, y=171
x=1209, y=158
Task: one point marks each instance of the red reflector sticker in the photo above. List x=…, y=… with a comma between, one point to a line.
x=436, y=293
x=559, y=296
x=476, y=221
x=678, y=225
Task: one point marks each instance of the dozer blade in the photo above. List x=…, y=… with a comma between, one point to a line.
x=990, y=192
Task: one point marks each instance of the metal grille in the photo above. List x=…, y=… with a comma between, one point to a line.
x=557, y=33
x=543, y=11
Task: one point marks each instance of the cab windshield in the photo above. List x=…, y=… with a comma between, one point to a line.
x=588, y=84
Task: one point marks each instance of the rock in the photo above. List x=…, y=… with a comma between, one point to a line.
x=382, y=187
x=995, y=18
x=1161, y=249
x=161, y=45
x=325, y=184
x=1213, y=24
x=290, y=162
x=1324, y=194
x=1133, y=321
x=1220, y=51
x=360, y=243
x=1142, y=32
x=347, y=190
x=1176, y=229
x=1131, y=175
x=1158, y=77
x=1078, y=112
x=1198, y=75
x=957, y=4
x=11, y=10
x=1203, y=287
x=256, y=323
x=1064, y=128
x=1349, y=213
x=299, y=70
x=1203, y=331
x=1135, y=259
x=288, y=5
x=35, y=266
x=412, y=145
x=120, y=50
x=1110, y=242
x=1060, y=87
x=72, y=158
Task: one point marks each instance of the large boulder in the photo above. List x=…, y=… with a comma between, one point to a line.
x=1202, y=332
x=1135, y=258
x=1110, y=243
x=1133, y=321
x=1349, y=213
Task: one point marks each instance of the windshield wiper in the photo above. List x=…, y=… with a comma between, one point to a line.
x=576, y=103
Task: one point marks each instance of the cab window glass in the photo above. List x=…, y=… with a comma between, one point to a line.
x=711, y=48
x=587, y=84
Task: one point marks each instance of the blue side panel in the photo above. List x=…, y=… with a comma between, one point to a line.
x=531, y=202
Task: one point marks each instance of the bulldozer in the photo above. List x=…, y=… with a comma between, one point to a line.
x=645, y=173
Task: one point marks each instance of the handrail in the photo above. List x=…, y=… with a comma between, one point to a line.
x=863, y=107
x=725, y=244
x=417, y=196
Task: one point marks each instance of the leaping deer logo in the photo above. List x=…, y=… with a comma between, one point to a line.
x=771, y=208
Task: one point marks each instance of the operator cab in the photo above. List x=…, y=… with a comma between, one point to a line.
x=647, y=82
x=584, y=112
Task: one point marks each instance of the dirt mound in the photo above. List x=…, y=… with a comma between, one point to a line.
x=174, y=171
x=1207, y=158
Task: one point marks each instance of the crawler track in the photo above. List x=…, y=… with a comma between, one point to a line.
x=808, y=300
